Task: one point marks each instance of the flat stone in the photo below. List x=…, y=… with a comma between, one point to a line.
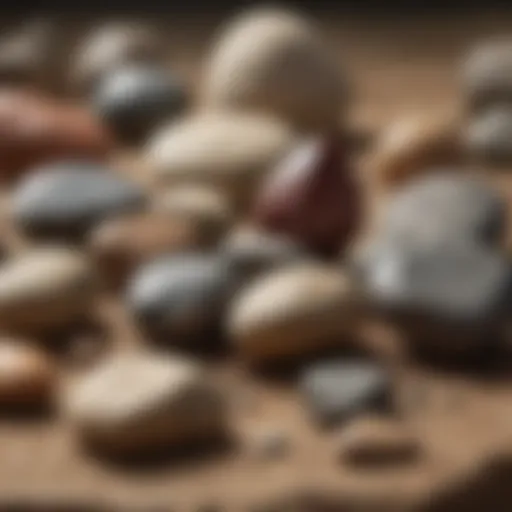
x=230, y=151
x=44, y=289
x=181, y=296
x=69, y=198
x=376, y=443
x=134, y=100
x=131, y=403
x=206, y=208
x=446, y=207
x=292, y=311
x=337, y=390
x=270, y=444
x=272, y=60
x=27, y=376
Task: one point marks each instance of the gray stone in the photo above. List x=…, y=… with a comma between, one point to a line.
x=135, y=99
x=336, y=390
x=71, y=197
x=181, y=296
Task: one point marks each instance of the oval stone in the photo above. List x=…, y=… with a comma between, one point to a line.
x=132, y=403
x=134, y=100
x=292, y=311
x=68, y=198
x=229, y=151
x=273, y=61
x=27, y=376
x=180, y=297
x=45, y=289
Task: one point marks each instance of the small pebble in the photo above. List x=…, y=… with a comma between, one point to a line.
x=69, y=198
x=181, y=297
x=311, y=197
x=44, y=289
x=134, y=100
x=229, y=151
x=374, y=443
x=292, y=311
x=337, y=390
x=27, y=376
x=135, y=402
x=271, y=60
x=270, y=444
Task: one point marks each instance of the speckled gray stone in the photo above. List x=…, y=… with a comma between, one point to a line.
x=70, y=197
x=135, y=99
x=336, y=390
x=180, y=296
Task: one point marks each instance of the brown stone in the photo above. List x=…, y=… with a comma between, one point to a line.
x=27, y=376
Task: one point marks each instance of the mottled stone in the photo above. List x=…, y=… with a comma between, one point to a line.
x=132, y=403
x=337, y=390
x=273, y=61
x=135, y=100
x=292, y=311
x=69, y=198
x=180, y=297
x=226, y=150
x=44, y=289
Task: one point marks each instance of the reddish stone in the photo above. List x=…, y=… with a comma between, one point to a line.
x=312, y=197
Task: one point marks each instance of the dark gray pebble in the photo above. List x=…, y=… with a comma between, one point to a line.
x=337, y=390
x=71, y=197
x=134, y=100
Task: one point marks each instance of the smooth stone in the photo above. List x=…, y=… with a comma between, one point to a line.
x=446, y=207
x=226, y=150
x=135, y=402
x=69, y=198
x=448, y=299
x=206, y=208
x=112, y=45
x=487, y=74
x=121, y=244
x=134, y=100
x=36, y=129
x=488, y=136
x=311, y=196
x=273, y=61
x=336, y=390
x=292, y=311
x=45, y=289
x=270, y=444
x=27, y=376
x=180, y=297
x=416, y=146
x=251, y=251
x=376, y=443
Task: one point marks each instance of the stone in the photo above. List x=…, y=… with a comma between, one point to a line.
x=132, y=403
x=69, y=198
x=36, y=129
x=446, y=207
x=27, y=375
x=376, y=443
x=414, y=146
x=135, y=100
x=270, y=444
x=111, y=45
x=335, y=391
x=448, y=299
x=226, y=150
x=273, y=61
x=251, y=251
x=206, y=208
x=45, y=289
x=292, y=311
x=121, y=244
x=312, y=197
x=487, y=74
x=180, y=297
x=487, y=137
